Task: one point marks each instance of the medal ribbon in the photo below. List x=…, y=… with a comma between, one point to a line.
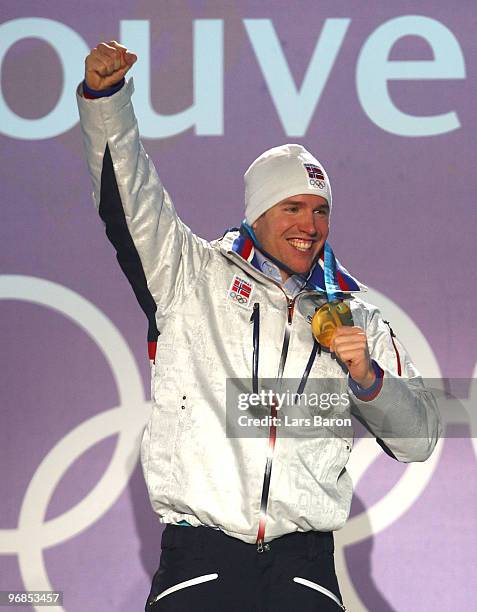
x=333, y=290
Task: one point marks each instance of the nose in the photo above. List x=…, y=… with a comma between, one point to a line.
x=307, y=223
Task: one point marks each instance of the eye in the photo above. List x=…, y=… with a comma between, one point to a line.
x=322, y=212
x=292, y=209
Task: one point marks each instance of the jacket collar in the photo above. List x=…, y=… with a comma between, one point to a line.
x=240, y=243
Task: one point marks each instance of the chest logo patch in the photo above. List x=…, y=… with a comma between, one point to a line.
x=240, y=291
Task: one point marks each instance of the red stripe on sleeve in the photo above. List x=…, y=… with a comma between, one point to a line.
x=151, y=350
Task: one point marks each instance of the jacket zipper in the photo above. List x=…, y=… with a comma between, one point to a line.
x=290, y=309
x=272, y=435
x=316, y=350
x=255, y=319
x=286, y=337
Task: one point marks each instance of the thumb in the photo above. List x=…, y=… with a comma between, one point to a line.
x=130, y=58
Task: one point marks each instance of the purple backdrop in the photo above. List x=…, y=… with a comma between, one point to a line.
x=74, y=513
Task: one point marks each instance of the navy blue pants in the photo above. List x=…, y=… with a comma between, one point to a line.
x=204, y=570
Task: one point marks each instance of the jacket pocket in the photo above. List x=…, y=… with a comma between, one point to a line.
x=317, y=587
x=183, y=585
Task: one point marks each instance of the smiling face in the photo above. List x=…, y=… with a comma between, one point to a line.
x=294, y=231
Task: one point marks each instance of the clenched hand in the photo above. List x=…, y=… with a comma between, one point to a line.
x=350, y=346
x=107, y=64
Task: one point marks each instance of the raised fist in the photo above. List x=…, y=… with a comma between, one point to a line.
x=107, y=64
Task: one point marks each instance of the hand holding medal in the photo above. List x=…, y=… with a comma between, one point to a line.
x=332, y=326
x=327, y=318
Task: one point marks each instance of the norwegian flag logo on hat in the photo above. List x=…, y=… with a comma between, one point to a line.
x=316, y=177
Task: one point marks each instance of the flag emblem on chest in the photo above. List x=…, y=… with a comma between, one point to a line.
x=240, y=291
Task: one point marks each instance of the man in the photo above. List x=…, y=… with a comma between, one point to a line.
x=240, y=535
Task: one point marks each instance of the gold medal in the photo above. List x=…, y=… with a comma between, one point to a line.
x=327, y=318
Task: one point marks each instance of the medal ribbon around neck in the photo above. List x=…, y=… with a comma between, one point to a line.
x=335, y=312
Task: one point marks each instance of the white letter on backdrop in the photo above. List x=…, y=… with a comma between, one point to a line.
x=71, y=50
x=207, y=112
x=374, y=70
x=295, y=107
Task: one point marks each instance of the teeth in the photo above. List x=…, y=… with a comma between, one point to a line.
x=301, y=245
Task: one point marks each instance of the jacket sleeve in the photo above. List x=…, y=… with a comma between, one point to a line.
x=403, y=414
x=159, y=254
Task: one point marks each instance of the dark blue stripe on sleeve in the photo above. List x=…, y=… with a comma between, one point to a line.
x=112, y=213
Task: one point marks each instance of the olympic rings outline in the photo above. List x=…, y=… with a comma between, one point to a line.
x=238, y=298
x=26, y=540
x=317, y=183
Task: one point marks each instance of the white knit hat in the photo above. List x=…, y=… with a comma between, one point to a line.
x=280, y=173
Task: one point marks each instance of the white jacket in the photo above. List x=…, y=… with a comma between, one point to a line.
x=193, y=471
